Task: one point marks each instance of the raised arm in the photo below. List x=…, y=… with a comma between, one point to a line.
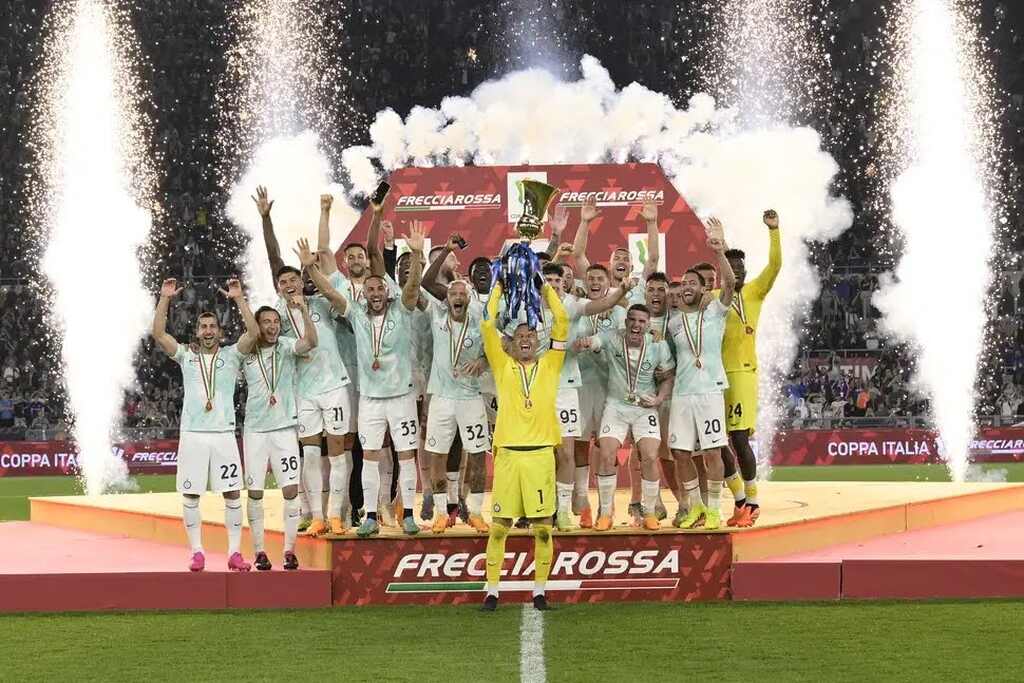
x=323, y=238
x=390, y=251
x=411, y=290
x=430, y=282
x=762, y=284
x=264, y=205
x=588, y=212
x=558, y=221
x=650, y=215
x=560, y=326
x=373, y=241
x=247, y=342
x=489, y=330
x=309, y=261
x=615, y=295
x=168, y=290
x=309, y=338
x=716, y=242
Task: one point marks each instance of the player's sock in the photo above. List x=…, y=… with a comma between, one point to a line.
x=475, y=503
x=714, y=494
x=606, y=493
x=325, y=486
x=543, y=550
x=496, y=556
x=692, y=490
x=452, y=479
x=650, y=491
x=735, y=484
x=312, y=479
x=564, y=496
x=341, y=470
x=581, y=486
x=750, y=488
x=193, y=523
x=233, y=523
x=440, y=503
x=407, y=484
x=254, y=511
x=291, y=522
x=371, y=488
x=386, y=467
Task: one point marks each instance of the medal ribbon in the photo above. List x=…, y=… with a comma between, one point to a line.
x=695, y=341
x=527, y=383
x=378, y=337
x=295, y=326
x=633, y=377
x=455, y=346
x=271, y=379
x=209, y=378
x=737, y=305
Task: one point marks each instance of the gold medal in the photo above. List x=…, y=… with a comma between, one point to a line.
x=209, y=378
x=695, y=340
x=633, y=376
x=455, y=342
x=377, y=338
x=269, y=377
x=527, y=382
x=737, y=305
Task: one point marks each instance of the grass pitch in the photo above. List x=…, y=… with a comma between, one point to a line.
x=587, y=642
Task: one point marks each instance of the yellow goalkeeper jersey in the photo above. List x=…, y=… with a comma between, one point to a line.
x=526, y=392
x=739, y=345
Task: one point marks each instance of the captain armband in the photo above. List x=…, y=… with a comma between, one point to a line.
x=558, y=345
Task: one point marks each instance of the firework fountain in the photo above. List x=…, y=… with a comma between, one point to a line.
x=89, y=193
x=942, y=204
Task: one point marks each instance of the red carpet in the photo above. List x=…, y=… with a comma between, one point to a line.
x=51, y=569
x=977, y=558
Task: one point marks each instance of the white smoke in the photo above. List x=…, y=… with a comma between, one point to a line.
x=296, y=172
x=534, y=117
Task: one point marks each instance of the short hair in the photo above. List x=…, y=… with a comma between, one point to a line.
x=372, y=276
x=623, y=249
x=207, y=314
x=704, y=265
x=543, y=256
x=552, y=269
x=735, y=253
x=479, y=259
x=639, y=307
x=700, y=278
x=286, y=269
x=355, y=245
x=657, y=277
x=266, y=309
x=566, y=267
x=597, y=266
x=675, y=283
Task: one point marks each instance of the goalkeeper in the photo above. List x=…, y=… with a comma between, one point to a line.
x=525, y=436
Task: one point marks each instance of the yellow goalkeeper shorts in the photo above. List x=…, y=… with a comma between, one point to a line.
x=524, y=483
x=741, y=402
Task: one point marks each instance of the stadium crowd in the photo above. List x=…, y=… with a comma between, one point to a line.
x=435, y=49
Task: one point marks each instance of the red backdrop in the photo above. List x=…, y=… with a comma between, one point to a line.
x=481, y=203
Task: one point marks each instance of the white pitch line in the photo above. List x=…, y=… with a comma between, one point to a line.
x=531, y=646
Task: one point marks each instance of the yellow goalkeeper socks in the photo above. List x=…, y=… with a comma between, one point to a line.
x=735, y=484
x=496, y=556
x=751, y=491
x=543, y=550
